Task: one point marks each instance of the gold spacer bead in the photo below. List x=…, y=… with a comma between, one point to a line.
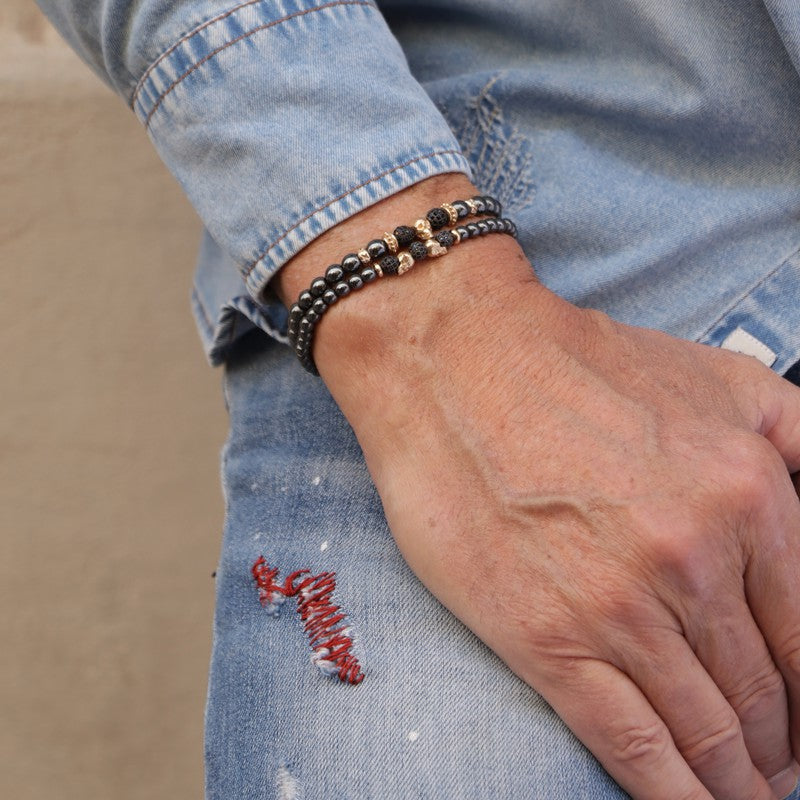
x=423, y=228
x=378, y=271
x=406, y=262
x=434, y=248
x=472, y=207
x=451, y=212
x=391, y=242
x=364, y=257
x=456, y=236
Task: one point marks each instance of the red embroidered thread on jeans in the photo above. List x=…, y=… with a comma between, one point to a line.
x=330, y=644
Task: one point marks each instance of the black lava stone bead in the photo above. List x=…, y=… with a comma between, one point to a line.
x=438, y=218
x=418, y=251
x=404, y=235
x=445, y=238
x=390, y=264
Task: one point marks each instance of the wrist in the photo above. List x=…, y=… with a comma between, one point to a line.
x=364, y=333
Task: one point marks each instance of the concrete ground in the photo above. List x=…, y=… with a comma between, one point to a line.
x=110, y=429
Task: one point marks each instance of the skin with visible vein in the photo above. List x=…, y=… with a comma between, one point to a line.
x=630, y=490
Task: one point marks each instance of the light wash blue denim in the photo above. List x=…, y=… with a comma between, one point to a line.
x=647, y=149
x=649, y=152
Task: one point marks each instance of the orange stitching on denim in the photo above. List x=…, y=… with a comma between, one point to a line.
x=308, y=216
x=185, y=38
x=240, y=38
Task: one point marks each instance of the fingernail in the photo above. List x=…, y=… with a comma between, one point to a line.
x=786, y=781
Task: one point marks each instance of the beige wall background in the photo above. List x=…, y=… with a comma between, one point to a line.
x=110, y=429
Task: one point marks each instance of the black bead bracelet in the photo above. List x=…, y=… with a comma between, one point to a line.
x=393, y=254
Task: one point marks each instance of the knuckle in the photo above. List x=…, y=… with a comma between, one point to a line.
x=749, y=477
x=689, y=559
x=640, y=745
x=757, y=697
x=788, y=656
x=712, y=747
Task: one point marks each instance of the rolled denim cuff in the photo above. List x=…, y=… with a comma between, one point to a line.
x=282, y=119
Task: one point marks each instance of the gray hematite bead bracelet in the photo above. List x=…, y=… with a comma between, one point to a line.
x=393, y=254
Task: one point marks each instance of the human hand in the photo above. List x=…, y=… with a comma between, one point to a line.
x=608, y=508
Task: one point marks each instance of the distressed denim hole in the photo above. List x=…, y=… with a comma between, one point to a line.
x=287, y=785
x=501, y=157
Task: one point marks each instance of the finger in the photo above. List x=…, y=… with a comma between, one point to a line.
x=704, y=727
x=772, y=587
x=733, y=652
x=778, y=401
x=612, y=717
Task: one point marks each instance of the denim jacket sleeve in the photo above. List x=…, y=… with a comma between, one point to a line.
x=280, y=118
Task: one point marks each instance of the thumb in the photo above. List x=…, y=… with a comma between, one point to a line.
x=778, y=403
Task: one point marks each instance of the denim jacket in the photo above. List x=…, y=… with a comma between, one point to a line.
x=648, y=150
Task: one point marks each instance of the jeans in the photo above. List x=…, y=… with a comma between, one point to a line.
x=437, y=716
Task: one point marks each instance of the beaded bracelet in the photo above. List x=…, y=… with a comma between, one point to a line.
x=428, y=237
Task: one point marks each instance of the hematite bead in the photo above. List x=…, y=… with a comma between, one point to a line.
x=492, y=224
x=482, y=227
x=330, y=297
x=305, y=326
x=295, y=313
x=389, y=264
x=312, y=315
x=462, y=232
x=472, y=228
x=318, y=286
x=445, y=239
x=354, y=282
x=417, y=250
x=305, y=300
x=333, y=274
x=351, y=262
x=480, y=206
x=462, y=208
x=320, y=306
x=376, y=248
x=341, y=289
x=404, y=235
x=368, y=274
x=438, y=218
